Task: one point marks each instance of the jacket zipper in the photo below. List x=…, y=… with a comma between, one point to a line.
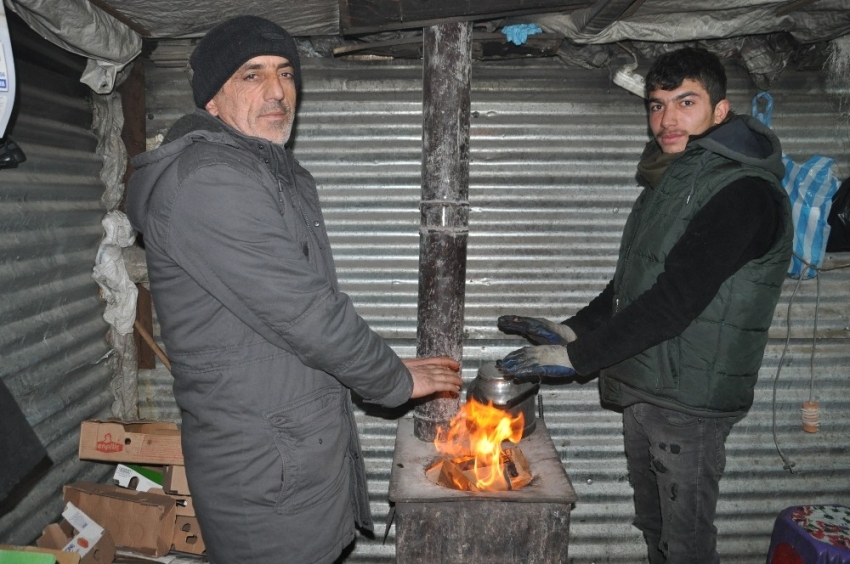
x=297, y=201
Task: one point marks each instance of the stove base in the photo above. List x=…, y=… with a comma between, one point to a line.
x=439, y=525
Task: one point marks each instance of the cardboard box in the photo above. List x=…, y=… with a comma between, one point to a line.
x=174, y=480
x=184, y=503
x=57, y=535
x=135, y=477
x=139, y=521
x=187, y=535
x=79, y=534
x=139, y=442
x=56, y=555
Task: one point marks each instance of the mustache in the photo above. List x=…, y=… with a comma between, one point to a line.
x=670, y=132
x=276, y=106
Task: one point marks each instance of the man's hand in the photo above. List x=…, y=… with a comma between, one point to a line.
x=437, y=374
x=529, y=364
x=537, y=331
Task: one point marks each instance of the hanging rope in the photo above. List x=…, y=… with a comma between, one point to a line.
x=810, y=411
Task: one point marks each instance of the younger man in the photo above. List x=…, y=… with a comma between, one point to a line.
x=679, y=332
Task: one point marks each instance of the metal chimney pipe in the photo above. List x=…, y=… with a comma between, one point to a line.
x=447, y=57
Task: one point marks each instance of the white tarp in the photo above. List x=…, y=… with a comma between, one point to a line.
x=191, y=18
x=80, y=27
x=669, y=21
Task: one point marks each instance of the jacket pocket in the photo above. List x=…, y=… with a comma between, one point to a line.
x=311, y=435
x=668, y=365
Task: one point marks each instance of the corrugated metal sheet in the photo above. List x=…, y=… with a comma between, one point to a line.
x=52, y=336
x=553, y=155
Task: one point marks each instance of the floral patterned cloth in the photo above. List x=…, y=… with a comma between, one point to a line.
x=829, y=524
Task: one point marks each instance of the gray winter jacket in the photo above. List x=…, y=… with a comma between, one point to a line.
x=263, y=345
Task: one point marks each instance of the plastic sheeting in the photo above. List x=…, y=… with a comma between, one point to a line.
x=120, y=294
x=110, y=272
x=79, y=27
x=190, y=18
x=677, y=20
x=107, y=124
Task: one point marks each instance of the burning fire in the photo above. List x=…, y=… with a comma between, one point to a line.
x=475, y=435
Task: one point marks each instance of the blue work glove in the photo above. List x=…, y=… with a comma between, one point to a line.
x=537, y=331
x=529, y=364
x=518, y=33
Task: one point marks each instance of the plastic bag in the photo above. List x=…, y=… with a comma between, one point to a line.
x=839, y=220
x=810, y=186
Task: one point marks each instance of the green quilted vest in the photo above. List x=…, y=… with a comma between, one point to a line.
x=711, y=368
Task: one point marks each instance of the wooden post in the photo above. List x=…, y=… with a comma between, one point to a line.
x=132, y=92
x=144, y=317
x=444, y=208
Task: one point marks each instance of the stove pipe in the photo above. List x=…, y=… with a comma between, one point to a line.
x=444, y=208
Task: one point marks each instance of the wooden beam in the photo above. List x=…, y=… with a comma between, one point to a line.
x=132, y=92
x=485, y=46
x=371, y=16
x=143, y=329
x=494, y=46
x=150, y=341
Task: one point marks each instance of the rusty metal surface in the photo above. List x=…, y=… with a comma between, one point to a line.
x=53, y=351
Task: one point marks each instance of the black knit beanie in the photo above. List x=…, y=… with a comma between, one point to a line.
x=229, y=44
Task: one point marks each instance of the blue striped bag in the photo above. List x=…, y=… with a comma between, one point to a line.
x=810, y=187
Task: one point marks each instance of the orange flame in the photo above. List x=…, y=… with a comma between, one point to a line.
x=477, y=432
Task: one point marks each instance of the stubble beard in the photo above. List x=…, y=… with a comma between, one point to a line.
x=284, y=127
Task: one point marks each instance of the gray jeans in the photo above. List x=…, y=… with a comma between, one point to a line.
x=675, y=462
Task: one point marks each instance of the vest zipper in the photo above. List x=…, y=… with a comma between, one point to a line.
x=617, y=299
x=697, y=171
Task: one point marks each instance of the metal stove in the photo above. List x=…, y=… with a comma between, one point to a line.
x=435, y=524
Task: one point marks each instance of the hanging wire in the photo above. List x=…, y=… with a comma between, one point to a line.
x=810, y=412
x=789, y=464
x=814, y=338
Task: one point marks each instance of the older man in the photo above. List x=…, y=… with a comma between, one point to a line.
x=264, y=347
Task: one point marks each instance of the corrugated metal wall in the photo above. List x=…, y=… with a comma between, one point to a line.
x=553, y=154
x=52, y=334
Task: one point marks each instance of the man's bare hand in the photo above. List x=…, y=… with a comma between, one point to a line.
x=430, y=375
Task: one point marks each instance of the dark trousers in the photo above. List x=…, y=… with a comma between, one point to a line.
x=675, y=462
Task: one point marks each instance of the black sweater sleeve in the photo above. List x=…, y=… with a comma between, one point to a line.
x=594, y=314
x=740, y=223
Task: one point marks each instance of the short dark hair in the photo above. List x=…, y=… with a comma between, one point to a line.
x=694, y=63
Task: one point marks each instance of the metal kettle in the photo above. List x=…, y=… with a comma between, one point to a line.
x=490, y=385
